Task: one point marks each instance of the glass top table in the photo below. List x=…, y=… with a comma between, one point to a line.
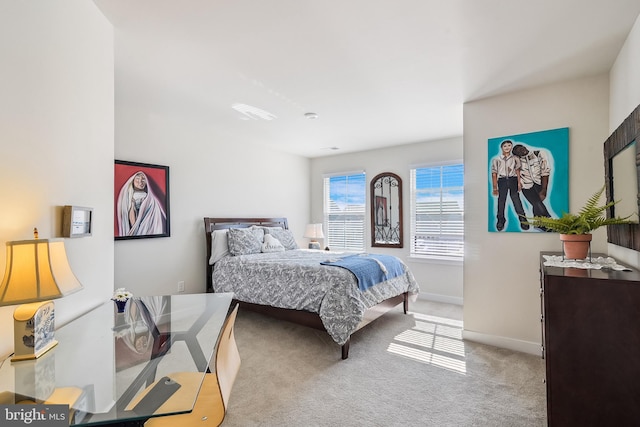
x=105, y=360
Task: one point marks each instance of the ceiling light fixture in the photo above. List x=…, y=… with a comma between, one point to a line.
x=311, y=116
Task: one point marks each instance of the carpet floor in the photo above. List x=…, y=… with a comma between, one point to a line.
x=402, y=370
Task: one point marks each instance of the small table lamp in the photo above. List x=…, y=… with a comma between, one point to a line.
x=314, y=232
x=37, y=271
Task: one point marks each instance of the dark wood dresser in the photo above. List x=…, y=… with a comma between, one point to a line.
x=591, y=345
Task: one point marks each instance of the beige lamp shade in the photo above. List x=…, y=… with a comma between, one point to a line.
x=314, y=231
x=36, y=270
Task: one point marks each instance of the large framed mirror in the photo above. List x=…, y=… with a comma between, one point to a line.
x=622, y=179
x=386, y=210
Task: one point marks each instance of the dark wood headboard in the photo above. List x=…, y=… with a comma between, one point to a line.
x=211, y=224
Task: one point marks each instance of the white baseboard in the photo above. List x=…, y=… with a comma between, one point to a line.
x=534, y=348
x=440, y=298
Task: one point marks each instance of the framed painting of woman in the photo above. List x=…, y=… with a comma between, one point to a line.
x=141, y=200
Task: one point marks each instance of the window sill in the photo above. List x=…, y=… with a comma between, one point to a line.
x=430, y=260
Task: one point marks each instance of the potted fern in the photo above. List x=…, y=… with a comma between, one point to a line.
x=575, y=229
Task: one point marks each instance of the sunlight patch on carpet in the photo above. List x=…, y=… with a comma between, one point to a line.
x=433, y=340
x=438, y=320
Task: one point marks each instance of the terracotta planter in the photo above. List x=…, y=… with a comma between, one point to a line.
x=576, y=246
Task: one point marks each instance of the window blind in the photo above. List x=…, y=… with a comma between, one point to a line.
x=344, y=211
x=437, y=212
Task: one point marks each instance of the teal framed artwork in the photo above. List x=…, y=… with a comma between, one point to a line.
x=528, y=176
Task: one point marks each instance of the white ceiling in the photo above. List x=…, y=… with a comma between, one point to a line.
x=377, y=72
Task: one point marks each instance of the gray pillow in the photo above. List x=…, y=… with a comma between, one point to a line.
x=258, y=232
x=284, y=236
x=245, y=241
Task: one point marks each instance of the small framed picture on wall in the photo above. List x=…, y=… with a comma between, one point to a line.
x=76, y=221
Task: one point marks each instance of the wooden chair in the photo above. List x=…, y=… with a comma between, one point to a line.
x=213, y=398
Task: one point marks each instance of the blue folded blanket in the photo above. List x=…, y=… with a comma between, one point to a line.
x=369, y=269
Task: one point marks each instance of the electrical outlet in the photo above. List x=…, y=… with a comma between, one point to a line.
x=181, y=286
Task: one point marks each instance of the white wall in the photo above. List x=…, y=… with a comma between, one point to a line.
x=211, y=174
x=624, y=98
x=439, y=282
x=501, y=270
x=56, y=134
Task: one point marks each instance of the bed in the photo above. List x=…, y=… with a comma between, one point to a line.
x=310, y=287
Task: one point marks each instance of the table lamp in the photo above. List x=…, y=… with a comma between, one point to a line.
x=314, y=232
x=37, y=271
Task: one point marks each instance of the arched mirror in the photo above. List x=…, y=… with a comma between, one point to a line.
x=386, y=210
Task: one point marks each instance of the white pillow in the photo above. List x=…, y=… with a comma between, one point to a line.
x=271, y=244
x=285, y=237
x=219, y=245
